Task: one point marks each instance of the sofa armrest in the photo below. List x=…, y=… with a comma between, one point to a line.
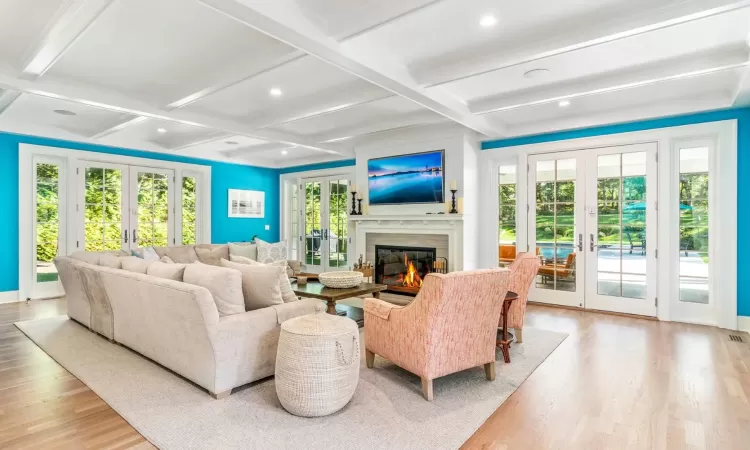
x=301, y=307
x=380, y=308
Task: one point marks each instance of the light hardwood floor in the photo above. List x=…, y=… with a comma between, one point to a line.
x=615, y=383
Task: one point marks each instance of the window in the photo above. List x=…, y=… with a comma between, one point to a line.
x=295, y=221
x=189, y=212
x=506, y=229
x=693, y=227
x=47, y=220
x=153, y=209
x=103, y=215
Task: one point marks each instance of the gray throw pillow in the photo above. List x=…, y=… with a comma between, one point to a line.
x=224, y=284
x=212, y=254
x=260, y=286
x=135, y=264
x=166, y=270
x=244, y=249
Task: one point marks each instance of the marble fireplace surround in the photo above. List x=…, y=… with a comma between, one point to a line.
x=443, y=232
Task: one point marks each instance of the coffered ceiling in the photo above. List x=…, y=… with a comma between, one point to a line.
x=289, y=82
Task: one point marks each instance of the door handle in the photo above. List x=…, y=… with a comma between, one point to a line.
x=325, y=234
x=591, y=242
x=135, y=239
x=126, y=236
x=580, y=242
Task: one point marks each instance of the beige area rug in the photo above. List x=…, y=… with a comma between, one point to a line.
x=387, y=410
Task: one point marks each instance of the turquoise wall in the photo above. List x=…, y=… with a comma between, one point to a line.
x=743, y=167
x=224, y=176
x=319, y=166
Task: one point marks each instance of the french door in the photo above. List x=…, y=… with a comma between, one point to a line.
x=592, y=216
x=124, y=207
x=49, y=237
x=325, y=234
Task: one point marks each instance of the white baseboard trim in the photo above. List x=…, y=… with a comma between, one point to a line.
x=743, y=323
x=12, y=297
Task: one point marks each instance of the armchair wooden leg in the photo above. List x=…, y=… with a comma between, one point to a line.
x=519, y=335
x=369, y=359
x=427, y=389
x=489, y=370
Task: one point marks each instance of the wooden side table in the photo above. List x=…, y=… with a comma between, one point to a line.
x=504, y=342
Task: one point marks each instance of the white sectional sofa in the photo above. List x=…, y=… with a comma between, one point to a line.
x=176, y=324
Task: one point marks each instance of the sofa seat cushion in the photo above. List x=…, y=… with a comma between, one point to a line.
x=212, y=254
x=260, y=286
x=135, y=264
x=244, y=249
x=183, y=254
x=224, y=284
x=166, y=270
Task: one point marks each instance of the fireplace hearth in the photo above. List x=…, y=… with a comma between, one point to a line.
x=403, y=269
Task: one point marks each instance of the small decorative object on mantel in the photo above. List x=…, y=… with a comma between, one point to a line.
x=359, y=202
x=353, y=190
x=453, y=199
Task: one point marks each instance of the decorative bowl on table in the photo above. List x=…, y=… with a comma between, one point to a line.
x=340, y=280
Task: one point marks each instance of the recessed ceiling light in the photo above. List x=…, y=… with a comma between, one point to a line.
x=276, y=92
x=231, y=142
x=64, y=112
x=488, y=20
x=161, y=130
x=536, y=73
x=284, y=152
x=564, y=103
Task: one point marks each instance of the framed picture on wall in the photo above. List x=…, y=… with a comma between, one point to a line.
x=247, y=204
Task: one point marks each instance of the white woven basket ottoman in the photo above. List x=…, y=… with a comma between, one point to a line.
x=317, y=364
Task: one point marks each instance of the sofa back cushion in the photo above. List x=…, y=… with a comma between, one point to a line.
x=109, y=260
x=244, y=249
x=166, y=270
x=94, y=257
x=211, y=254
x=183, y=254
x=284, y=284
x=224, y=284
x=260, y=285
x=135, y=264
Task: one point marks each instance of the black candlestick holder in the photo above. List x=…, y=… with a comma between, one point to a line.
x=359, y=207
x=453, y=202
x=354, y=204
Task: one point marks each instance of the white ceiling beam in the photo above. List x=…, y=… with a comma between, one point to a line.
x=398, y=121
x=667, y=70
x=741, y=95
x=681, y=13
x=253, y=149
x=90, y=96
x=119, y=126
x=282, y=20
x=68, y=25
x=7, y=98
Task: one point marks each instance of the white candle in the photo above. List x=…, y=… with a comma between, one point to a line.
x=359, y=196
x=453, y=185
x=460, y=205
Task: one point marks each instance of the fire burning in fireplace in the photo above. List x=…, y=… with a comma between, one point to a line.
x=411, y=277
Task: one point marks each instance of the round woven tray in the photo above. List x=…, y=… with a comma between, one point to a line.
x=340, y=280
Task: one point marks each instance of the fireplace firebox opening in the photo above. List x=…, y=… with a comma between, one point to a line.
x=403, y=269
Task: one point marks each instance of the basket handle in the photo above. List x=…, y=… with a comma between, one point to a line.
x=355, y=351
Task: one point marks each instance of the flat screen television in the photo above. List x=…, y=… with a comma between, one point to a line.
x=403, y=179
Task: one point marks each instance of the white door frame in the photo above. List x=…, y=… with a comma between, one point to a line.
x=725, y=135
x=71, y=159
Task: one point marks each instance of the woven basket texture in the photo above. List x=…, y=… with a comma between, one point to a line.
x=340, y=280
x=317, y=364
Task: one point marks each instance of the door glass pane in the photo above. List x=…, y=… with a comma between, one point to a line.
x=506, y=231
x=153, y=209
x=102, y=209
x=555, y=224
x=313, y=235
x=47, y=220
x=621, y=225
x=189, y=215
x=294, y=243
x=693, y=227
x=337, y=225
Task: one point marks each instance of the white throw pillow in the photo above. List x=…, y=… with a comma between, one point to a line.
x=245, y=249
x=224, y=284
x=284, y=284
x=135, y=264
x=260, y=287
x=166, y=260
x=268, y=253
x=169, y=271
x=108, y=260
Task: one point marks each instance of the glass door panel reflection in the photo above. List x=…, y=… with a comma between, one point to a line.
x=336, y=233
x=506, y=231
x=152, y=208
x=103, y=200
x=693, y=226
x=313, y=229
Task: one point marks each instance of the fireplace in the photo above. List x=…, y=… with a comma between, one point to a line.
x=402, y=269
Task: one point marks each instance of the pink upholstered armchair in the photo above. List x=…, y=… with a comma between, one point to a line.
x=450, y=326
x=522, y=273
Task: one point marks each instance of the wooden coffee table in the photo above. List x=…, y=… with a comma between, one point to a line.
x=331, y=295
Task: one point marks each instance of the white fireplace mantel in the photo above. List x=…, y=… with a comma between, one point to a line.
x=450, y=225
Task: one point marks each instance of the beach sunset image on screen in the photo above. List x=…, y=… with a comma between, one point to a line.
x=415, y=178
